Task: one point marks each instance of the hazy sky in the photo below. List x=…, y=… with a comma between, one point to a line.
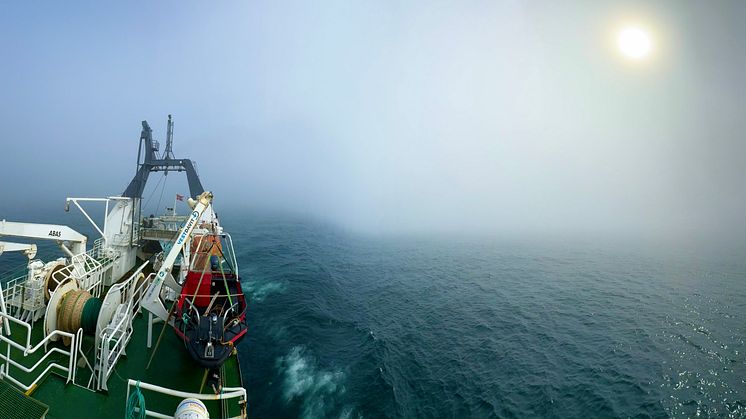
x=389, y=116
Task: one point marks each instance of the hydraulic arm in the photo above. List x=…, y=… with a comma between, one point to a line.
x=55, y=232
x=152, y=300
x=28, y=249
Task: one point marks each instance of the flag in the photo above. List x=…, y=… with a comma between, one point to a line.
x=179, y=197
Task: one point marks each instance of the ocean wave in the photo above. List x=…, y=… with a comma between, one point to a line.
x=418, y=329
x=315, y=389
x=258, y=292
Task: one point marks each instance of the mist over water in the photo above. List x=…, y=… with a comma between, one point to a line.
x=441, y=209
x=358, y=326
x=478, y=117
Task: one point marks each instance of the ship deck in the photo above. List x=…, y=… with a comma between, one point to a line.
x=171, y=367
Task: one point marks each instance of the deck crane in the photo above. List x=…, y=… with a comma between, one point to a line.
x=59, y=233
x=152, y=300
x=28, y=249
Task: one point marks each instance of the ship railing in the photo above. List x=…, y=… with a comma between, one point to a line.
x=97, y=251
x=123, y=239
x=227, y=250
x=115, y=336
x=227, y=394
x=23, y=300
x=90, y=267
x=189, y=297
x=161, y=226
x=87, y=270
x=135, y=237
x=45, y=360
x=202, y=254
x=232, y=253
x=13, y=288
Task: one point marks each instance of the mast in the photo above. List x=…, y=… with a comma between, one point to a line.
x=152, y=163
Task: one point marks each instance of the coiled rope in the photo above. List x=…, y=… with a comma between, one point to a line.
x=135, y=402
x=78, y=309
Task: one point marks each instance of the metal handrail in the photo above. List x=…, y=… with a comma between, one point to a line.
x=28, y=350
x=226, y=394
x=219, y=295
x=115, y=339
x=233, y=253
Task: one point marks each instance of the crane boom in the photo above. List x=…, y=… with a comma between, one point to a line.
x=28, y=249
x=152, y=300
x=56, y=232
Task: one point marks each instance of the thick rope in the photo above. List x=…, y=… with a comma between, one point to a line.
x=78, y=309
x=134, y=403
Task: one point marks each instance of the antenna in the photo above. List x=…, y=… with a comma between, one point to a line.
x=168, y=153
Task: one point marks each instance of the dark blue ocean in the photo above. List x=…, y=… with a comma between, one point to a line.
x=348, y=325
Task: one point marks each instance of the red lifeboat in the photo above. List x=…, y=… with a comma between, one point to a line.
x=210, y=315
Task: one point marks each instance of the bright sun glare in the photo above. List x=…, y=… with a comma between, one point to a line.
x=634, y=43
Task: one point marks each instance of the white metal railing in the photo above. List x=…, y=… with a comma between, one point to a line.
x=28, y=350
x=123, y=239
x=24, y=299
x=165, y=222
x=13, y=292
x=113, y=339
x=89, y=268
x=84, y=266
x=233, y=253
x=226, y=394
x=97, y=248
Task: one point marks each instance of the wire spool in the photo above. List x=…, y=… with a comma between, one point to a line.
x=90, y=315
x=138, y=286
x=78, y=309
x=112, y=300
x=55, y=277
x=50, y=316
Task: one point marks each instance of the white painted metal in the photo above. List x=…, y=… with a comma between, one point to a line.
x=28, y=249
x=50, y=317
x=152, y=301
x=114, y=330
x=119, y=233
x=59, y=233
x=31, y=305
x=122, y=236
x=226, y=394
x=77, y=201
x=4, y=311
x=29, y=350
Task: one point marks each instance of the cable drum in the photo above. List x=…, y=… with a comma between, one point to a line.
x=55, y=277
x=90, y=315
x=78, y=309
x=138, y=288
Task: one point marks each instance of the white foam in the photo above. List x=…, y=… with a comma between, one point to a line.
x=259, y=292
x=315, y=389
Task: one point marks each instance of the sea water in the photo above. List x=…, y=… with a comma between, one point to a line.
x=348, y=325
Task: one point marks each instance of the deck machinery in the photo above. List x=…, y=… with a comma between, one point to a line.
x=144, y=322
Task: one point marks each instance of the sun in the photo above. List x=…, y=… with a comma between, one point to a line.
x=634, y=43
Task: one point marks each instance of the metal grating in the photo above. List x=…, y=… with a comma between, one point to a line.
x=16, y=405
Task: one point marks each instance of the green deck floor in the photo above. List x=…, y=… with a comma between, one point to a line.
x=16, y=405
x=172, y=368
